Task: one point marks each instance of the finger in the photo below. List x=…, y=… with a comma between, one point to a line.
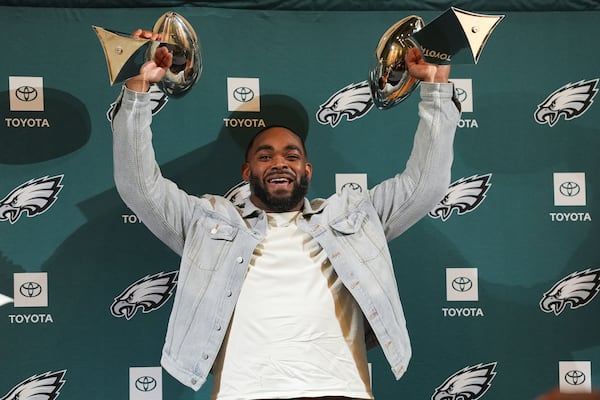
x=140, y=33
x=144, y=34
x=137, y=33
x=414, y=55
x=163, y=57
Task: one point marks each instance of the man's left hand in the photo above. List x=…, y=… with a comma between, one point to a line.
x=424, y=71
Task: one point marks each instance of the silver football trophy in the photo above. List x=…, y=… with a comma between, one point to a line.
x=125, y=54
x=455, y=37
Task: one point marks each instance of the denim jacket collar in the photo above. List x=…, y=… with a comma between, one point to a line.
x=309, y=208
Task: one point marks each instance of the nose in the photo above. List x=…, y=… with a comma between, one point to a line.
x=279, y=162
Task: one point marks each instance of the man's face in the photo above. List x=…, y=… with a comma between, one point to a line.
x=277, y=170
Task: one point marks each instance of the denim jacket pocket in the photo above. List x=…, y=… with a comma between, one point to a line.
x=354, y=230
x=210, y=243
x=349, y=223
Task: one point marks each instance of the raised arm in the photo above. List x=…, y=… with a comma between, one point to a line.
x=158, y=202
x=407, y=197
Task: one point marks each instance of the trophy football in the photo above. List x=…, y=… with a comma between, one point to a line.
x=126, y=54
x=455, y=37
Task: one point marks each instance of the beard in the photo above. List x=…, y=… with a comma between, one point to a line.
x=279, y=204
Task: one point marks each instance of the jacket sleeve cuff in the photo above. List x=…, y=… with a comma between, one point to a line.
x=440, y=90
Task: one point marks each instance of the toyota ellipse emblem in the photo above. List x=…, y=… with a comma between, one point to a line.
x=243, y=94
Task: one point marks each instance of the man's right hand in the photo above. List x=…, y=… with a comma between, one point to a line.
x=154, y=70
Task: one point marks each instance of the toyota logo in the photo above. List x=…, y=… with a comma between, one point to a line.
x=243, y=94
x=26, y=93
x=30, y=289
x=462, y=284
x=461, y=94
x=575, y=377
x=145, y=383
x=569, y=189
x=353, y=186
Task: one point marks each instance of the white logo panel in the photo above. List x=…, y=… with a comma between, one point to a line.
x=569, y=189
x=575, y=376
x=243, y=94
x=356, y=182
x=461, y=284
x=31, y=289
x=464, y=92
x=145, y=383
x=26, y=93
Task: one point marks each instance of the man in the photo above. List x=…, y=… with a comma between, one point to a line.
x=281, y=299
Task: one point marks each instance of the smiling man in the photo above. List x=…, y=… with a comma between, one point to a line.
x=277, y=170
x=282, y=298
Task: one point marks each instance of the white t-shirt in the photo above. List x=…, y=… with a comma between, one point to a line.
x=296, y=331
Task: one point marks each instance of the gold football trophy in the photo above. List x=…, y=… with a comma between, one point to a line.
x=125, y=54
x=455, y=37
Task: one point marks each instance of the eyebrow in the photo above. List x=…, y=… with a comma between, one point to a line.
x=287, y=148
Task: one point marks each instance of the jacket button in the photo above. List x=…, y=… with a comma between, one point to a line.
x=218, y=328
x=228, y=294
x=239, y=260
x=205, y=356
x=194, y=381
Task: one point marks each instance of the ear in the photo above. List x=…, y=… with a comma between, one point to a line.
x=245, y=171
x=308, y=170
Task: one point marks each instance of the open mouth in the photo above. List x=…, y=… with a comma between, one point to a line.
x=279, y=181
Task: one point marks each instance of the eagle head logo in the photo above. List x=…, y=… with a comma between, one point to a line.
x=158, y=99
x=352, y=101
x=571, y=101
x=464, y=196
x=576, y=290
x=148, y=293
x=38, y=387
x=33, y=197
x=238, y=193
x=469, y=383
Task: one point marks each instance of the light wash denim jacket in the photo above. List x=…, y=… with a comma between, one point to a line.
x=215, y=239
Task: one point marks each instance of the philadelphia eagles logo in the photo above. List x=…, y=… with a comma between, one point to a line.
x=34, y=197
x=575, y=290
x=570, y=101
x=238, y=193
x=148, y=294
x=39, y=387
x=158, y=99
x=469, y=383
x=464, y=196
x=352, y=101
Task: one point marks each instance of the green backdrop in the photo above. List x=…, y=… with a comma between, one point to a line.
x=476, y=276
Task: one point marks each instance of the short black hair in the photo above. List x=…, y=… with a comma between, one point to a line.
x=270, y=127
